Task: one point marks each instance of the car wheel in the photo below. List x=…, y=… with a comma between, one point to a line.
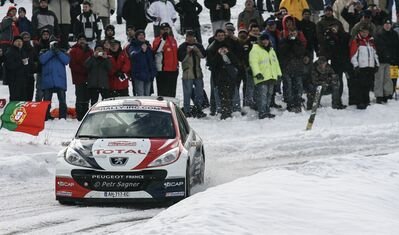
x=66, y=202
x=188, y=180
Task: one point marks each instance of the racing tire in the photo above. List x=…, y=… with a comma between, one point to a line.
x=188, y=181
x=66, y=202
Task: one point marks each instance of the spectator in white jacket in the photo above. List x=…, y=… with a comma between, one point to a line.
x=103, y=9
x=161, y=11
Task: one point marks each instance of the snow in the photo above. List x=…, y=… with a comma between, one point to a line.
x=262, y=176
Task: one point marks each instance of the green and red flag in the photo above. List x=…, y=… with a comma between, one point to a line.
x=22, y=116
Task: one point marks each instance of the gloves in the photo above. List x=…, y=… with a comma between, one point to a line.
x=259, y=76
x=164, y=35
x=112, y=11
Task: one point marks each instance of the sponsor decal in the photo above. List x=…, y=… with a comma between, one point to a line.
x=122, y=143
x=64, y=193
x=116, y=185
x=118, y=151
x=118, y=161
x=65, y=184
x=118, y=177
x=173, y=184
x=125, y=107
x=175, y=194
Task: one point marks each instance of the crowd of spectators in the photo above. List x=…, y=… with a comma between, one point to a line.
x=289, y=51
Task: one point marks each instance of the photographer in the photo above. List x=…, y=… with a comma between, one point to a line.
x=98, y=66
x=54, y=77
x=118, y=81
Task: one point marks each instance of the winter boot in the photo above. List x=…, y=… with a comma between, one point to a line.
x=380, y=100
x=339, y=106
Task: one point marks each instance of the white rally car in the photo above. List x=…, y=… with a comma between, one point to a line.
x=130, y=148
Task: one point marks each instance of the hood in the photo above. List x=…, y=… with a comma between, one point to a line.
x=285, y=30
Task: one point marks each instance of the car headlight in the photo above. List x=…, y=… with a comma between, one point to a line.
x=74, y=158
x=166, y=158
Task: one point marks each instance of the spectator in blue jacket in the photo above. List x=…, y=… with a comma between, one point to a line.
x=54, y=78
x=143, y=64
x=24, y=25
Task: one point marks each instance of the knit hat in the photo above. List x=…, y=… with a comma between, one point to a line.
x=242, y=30
x=80, y=36
x=190, y=33
x=22, y=9
x=264, y=36
x=270, y=21
x=23, y=34
x=366, y=13
x=98, y=44
x=114, y=41
x=229, y=26
x=11, y=8
x=138, y=32
x=328, y=8
x=306, y=10
x=387, y=21
x=44, y=30
x=17, y=38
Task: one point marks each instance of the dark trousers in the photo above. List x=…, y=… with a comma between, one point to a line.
x=65, y=28
x=166, y=83
x=95, y=92
x=362, y=84
x=30, y=88
x=82, y=100
x=293, y=89
x=226, y=93
x=18, y=89
x=48, y=95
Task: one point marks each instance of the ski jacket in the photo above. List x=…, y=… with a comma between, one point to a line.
x=291, y=54
x=102, y=8
x=98, y=69
x=62, y=9
x=191, y=62
x=245, y=18
x=264, y=62
x=9, y=30
x=326, y=23
x=24, y=25
x=165, y=54
x=387, y=44
x=222, y=13
x=134, y=12
x=284, y=33
x=120, y=64
x=295, y=7
x=88, y=24
x=164, y=10
x=363, y=52
x=44, y=18
x=77, y=63
x=15, y=70
x=53, y=69
x=189, y=12
x=142, y=63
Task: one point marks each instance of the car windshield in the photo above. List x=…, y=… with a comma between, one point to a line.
x=127, y=124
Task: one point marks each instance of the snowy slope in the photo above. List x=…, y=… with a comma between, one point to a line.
x=262, y=176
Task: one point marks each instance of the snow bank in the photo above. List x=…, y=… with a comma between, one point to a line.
x=341, y=195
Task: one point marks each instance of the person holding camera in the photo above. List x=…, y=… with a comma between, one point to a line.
x=167, y=64
x=190, y=55
x=118, y=81
x=142, y=61
x=266, y=69
x=98, y=67
x=79, y=53
x=54, y=78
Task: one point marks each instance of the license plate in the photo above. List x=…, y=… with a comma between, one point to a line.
x=116, y=194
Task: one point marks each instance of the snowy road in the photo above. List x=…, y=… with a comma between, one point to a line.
x=27, y=197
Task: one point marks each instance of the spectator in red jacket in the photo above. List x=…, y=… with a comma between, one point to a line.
x=165, y=49
x=118, y=80
x=79, y=53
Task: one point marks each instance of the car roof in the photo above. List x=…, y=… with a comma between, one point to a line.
x=151, y=101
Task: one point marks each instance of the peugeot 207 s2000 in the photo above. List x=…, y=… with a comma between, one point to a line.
x=128, y=149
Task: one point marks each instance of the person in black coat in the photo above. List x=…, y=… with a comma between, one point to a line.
x=75, y=11
x=309, y=31
x=224, y=66
x=133, y=12
x=16, y=63
x=220, y=12
x=33, y=64
x=189, y=11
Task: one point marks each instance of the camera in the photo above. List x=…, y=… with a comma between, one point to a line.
x=53, y=45
x=100, y=53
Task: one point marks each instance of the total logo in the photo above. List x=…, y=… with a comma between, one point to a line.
x=65, y=184
x=173, y=184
